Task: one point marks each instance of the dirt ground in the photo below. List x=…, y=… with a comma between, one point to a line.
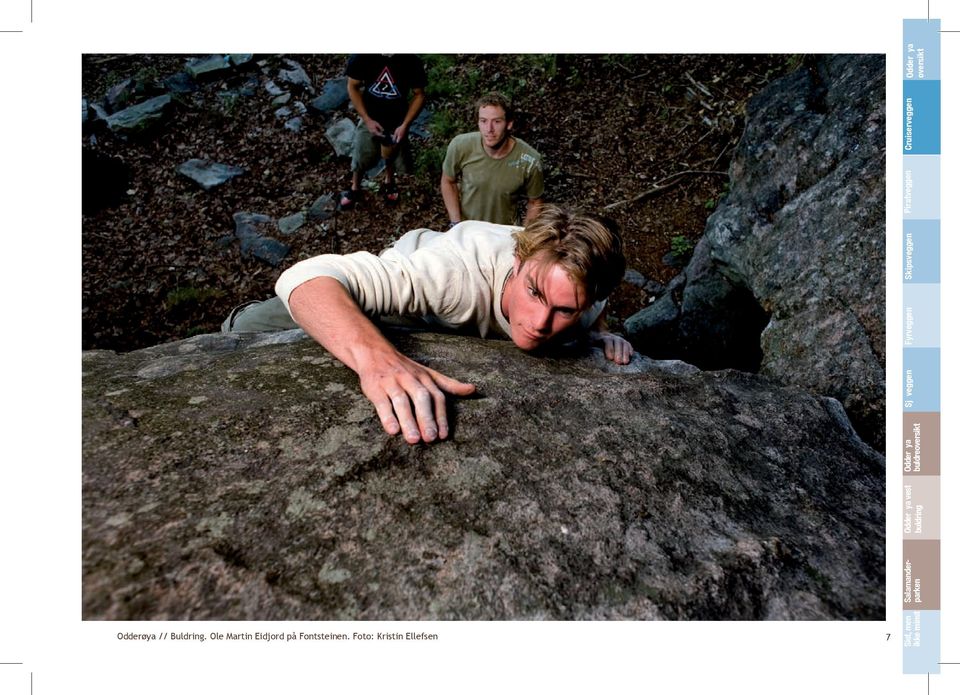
x=644, y=139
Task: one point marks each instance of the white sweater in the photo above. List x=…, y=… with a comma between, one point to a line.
x=453, y=278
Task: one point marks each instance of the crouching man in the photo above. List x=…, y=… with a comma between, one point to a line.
x=544, y=283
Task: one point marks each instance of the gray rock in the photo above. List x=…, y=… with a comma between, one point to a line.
x=293, y=115
x=250, y=224
x=719, y=320
x=240, y=59
x=273, y=89
x=672, y=260
x=323, y=208
x=280, y=100
x=791, y=265
x=295, y=124
x=245, y=477
x=267, y=249
x=295, y=75
x=664, y=311
x=333, y=96
x=209, y=68
x=99, y=113
x=252, y=230
x=634, y=277
x=421, y=124
x=181, y=83
x=291, y=223
x=249, y=87
x=209, y=174
x=120, y=95
x=340, y=136
x=141, y=118
x=638, y=279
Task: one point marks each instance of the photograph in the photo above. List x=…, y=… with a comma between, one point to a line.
x=483, y=337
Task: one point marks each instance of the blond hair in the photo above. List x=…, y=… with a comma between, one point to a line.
x=588, y=248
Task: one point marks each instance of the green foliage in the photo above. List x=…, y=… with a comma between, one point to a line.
x=447, y=80
x=112, y=77
x=541, y=65
x=146, y=75
x=229, y=102
x=184, y=297
x=531, y=69
x=794, y=61
x=452, y=88
x=445, y=124
x=428, y=162
x=681, y=247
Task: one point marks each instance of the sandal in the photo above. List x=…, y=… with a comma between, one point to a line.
x=348, y=198
x=390, y=193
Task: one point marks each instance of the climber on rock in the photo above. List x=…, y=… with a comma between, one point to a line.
x=543, y=284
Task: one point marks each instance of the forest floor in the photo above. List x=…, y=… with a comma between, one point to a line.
x=644, y=139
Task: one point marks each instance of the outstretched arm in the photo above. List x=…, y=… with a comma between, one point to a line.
x=408, y=396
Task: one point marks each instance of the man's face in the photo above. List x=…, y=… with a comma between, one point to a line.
x=541, y=302
x=494, y=127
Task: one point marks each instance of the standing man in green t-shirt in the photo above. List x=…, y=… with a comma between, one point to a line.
x=493, y=168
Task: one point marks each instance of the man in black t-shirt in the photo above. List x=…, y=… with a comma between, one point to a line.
x=387, y=91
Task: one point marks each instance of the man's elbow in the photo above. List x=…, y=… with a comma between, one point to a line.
x=316, y=292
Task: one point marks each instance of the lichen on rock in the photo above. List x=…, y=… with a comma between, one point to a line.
x=570, y=489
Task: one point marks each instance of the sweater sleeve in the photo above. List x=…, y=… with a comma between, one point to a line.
x=375, y=286
x=425, y=274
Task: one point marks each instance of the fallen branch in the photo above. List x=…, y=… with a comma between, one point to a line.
x=722, y=152
x=662, y=185
x=698, y=85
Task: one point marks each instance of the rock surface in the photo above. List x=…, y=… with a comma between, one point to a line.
x=252, y=230
x=208, y=175
x=333, y=96
x=295, y=76
x=142, y=117
x=789, y=276
x=340, y=136
x=209, y=68
x=246, y=477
